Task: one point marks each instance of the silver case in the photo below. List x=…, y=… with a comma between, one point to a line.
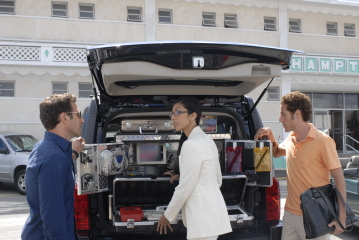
x=89, y=164
x=148, y=126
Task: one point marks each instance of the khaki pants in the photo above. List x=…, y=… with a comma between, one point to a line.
x=205, y=238
x=293, y=228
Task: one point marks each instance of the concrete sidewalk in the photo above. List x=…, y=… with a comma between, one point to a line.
x=280, y=174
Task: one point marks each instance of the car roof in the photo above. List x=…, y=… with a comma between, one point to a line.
x=7, y=133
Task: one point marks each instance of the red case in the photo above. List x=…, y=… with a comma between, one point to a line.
x=135, y=213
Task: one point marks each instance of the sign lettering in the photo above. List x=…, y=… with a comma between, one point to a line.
x=324, y=65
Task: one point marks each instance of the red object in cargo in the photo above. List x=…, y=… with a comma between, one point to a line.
x=134, y=213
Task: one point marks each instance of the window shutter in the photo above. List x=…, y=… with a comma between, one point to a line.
x=59, y=88
x=134, y=14
x=332, y=29
x=230, y=21
x=59, y=9
x=86, y=11
x=270, y=24
x=7, y=6
x=273, y=94
x=209, y=19
x=294, y=26
x=164, y=16
x=85, y=90
x=349, y=30
x=7, y=89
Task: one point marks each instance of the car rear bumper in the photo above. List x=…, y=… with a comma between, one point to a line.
x=271, y=231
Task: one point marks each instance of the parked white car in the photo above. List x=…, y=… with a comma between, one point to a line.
x=15, y=149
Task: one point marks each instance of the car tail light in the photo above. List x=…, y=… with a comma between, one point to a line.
x=81, y=206
x=273, y=201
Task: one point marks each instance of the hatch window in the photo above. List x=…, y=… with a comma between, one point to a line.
x=332, y=28
x=87, y=11
x=165, y=16
x=7, y=89
x=59, y=9
x=273, y=94
x=7, y=6
x=209, y=19
x=59, y=87
x=270, y=24
x=349, y=30
x=85, y=90
x=134, y=14
x=230, y=21
x=295, y=25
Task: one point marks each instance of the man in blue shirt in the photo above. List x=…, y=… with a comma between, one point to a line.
x=50, y=172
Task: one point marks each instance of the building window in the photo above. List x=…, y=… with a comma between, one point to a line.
x=85, y=90
x=7, y=89
x=327, y=100
x=230, y=20
x=270, y=24
x=164, y=16
x=7, y=6
x=351, y=101
x=59, y=9
x=332, y=28
x=209, y=19
x=134, y=14
x=59, y=87
x=295, y=25
x=308, y=95
x=273, y=94
x=87, y=11
x=349, y=30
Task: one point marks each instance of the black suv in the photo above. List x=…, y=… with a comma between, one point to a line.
x=131, y=141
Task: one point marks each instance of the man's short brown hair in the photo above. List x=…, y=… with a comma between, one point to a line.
x=53, y=106
x=297, y=100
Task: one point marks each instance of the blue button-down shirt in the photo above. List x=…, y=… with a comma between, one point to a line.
x=50, y=190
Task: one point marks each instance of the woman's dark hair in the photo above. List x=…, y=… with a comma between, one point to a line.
x=192, y=105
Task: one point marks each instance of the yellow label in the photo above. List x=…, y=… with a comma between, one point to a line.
x=262, y=160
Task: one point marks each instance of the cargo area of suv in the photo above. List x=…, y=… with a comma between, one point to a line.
x=131, y=141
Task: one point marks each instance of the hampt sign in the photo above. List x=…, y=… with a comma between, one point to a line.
x=324, y=65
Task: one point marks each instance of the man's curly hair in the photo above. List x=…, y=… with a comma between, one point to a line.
x=53, y=106
x=297, y=100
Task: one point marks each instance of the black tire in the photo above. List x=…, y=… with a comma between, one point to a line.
x=20, y=182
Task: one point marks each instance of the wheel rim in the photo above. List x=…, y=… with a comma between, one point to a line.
x=21, y=182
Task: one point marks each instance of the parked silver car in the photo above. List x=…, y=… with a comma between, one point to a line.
x=15, y=149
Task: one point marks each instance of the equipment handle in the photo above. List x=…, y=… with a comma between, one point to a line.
x=156, y=131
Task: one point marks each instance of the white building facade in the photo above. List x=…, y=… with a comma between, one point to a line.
x=42, y=51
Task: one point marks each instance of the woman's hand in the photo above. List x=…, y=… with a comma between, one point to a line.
x=173, y=175
x=163, y=223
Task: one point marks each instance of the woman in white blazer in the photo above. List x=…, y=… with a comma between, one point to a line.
x=204, y=211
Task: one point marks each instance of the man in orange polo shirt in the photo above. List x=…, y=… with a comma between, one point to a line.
x=311, y=158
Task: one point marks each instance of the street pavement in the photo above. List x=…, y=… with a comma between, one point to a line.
x=13, y=212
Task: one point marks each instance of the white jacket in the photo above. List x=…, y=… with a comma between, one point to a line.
x=204, y=211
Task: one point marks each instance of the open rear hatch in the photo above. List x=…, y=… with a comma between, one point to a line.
x=183, y=68
x=131, y=78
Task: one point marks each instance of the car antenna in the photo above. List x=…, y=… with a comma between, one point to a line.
x=260, y=97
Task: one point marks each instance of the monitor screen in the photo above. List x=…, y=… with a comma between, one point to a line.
x=151, y=153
